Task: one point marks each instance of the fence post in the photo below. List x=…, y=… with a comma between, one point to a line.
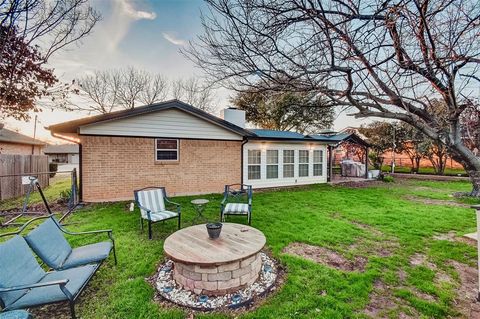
x=477, y=208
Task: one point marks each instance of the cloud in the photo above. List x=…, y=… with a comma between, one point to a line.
x=129, y=10
x=174, y=40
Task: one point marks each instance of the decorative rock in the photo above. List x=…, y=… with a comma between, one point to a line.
x=251, y=285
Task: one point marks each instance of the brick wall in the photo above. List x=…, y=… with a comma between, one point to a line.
x=19, y=149
x=114, y=166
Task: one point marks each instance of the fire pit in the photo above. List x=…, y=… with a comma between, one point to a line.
x=215, y=267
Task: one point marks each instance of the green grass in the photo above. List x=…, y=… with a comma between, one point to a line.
x=319, y=215
x=52, y=192
x=425, y=170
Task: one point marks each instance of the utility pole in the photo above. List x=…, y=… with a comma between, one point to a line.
x=34, y=134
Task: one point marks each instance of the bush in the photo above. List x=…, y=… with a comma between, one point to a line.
x=388, y=179
x=52, y=168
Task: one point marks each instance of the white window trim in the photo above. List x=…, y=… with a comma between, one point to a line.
x=259, y=164
x=164, y=149
x=320, y=162
x=275, y=164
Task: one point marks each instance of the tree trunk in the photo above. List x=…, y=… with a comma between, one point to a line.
x=475, y=178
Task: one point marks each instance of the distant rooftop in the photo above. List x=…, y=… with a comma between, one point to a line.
x=277, y=134
x=9, y=136
x=61, y=149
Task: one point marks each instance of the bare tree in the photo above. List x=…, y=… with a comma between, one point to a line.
x=386, y=59
x=110, y=90
x=30, y=32
x=194, y=92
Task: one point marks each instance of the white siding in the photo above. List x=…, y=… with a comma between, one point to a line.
x=165, y=123
x=281, y=181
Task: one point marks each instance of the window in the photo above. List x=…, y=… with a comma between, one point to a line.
x=303, y=159
x=166, y=150
x=254, y=164
x=288, y=163
x=272, y=163
x=317, y=163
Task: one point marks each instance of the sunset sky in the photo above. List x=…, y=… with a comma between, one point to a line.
x=143, y=34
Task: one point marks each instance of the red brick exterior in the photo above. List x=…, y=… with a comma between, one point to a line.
x=20, y=149
x=113, y=167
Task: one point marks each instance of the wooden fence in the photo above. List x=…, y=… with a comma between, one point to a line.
x=12, y=167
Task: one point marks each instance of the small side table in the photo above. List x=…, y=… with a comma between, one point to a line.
x=199, y=205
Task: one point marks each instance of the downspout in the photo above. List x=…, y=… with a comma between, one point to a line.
x=245, y=141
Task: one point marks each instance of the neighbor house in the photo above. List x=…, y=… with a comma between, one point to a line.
x=188, y=151
x=63, y=153
x=12, y=142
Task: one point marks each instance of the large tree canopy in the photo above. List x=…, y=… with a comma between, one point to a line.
x=30, y=32
x=386, y=59
x=290, y=111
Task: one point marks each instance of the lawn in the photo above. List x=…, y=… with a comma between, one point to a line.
x=392, y=226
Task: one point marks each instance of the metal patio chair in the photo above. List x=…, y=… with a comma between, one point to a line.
x=24, y=284
x=237, y=200
x=48, y=242
x=152, y=203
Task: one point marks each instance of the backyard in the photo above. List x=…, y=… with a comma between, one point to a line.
x=355, y=251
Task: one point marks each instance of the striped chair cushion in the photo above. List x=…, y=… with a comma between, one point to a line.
x=165, y=214
x=236, y=208
x=151, y=199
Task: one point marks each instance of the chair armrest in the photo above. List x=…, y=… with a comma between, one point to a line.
x=170, y=202
x=87, y=232
x=61, y=282
x=224, y=200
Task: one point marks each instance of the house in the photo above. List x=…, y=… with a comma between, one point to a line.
x=188, y=151
x=15, y=143
x=63, y=153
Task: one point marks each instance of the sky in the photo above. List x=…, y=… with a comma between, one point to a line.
x=145, y=34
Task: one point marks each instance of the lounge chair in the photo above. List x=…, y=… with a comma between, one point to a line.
x=48, y=242
x=15, y=314
x=24, y=284
x=237, y=200
x=151, y=201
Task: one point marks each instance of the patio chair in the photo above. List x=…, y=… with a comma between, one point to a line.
x=48, y=242
x=237, y=200
x=24, y=284
x=151, y=201
x=15, y=314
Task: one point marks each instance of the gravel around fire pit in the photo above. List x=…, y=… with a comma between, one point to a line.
x=171, y=291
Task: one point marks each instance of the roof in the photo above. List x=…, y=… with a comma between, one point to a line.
x=339, y=138
x=61, y=149
x=9, y=136
x=277, y=134
x=73, y=126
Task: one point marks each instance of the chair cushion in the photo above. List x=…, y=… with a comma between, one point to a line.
x=151, y=199
x=15, y=314
x=88, y=254
x=48, y=242
x=18, y=266
x=158, y=216
x=78, y=277
x=236, y=208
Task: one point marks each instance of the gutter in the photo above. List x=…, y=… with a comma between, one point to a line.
x=245, y=141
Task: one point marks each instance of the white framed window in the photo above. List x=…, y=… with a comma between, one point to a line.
x=272, y=164
x=254, y=164
x=166, y=149
x=288, y=163
x=303, y=163
x=317, y=162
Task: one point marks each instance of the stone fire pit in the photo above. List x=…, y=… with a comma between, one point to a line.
x=215, y=267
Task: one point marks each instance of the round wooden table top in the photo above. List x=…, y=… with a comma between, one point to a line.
x=192, y=245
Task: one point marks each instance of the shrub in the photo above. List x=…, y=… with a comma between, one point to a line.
x=388, y=179
x=52, y=168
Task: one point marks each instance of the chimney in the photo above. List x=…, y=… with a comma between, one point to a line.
x=234, y=116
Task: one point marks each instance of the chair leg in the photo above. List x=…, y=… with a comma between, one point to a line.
x=149, y=229
x=72, y=309
x=178, y=221
x=250, y=218
x=141, y=223
x=114, y=254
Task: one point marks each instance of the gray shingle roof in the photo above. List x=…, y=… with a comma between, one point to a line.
x=277, y=134
x=9, y=136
